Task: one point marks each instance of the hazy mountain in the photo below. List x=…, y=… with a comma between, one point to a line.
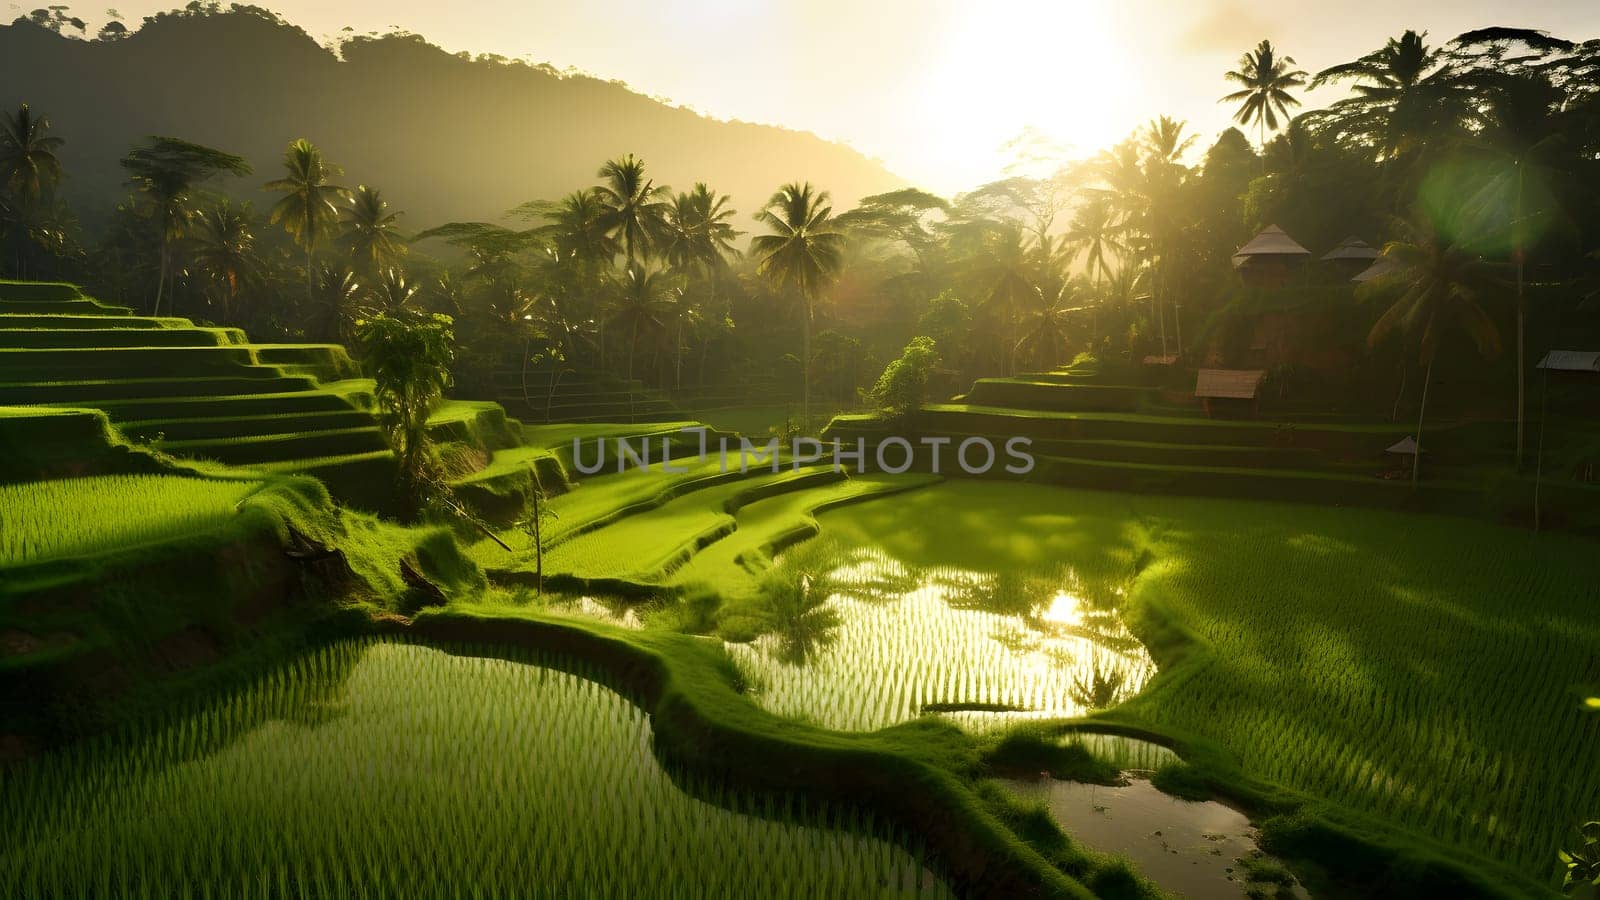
x=445, y=137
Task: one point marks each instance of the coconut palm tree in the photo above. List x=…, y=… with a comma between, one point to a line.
x=697, y=240
x=1521, y=128
x=1404, y=97
x=1437, y=284
x=309, y=209
x=643, y=301
x=333, y=301
x=1005, y=273
x=634, y=207
x=29, y=169
x=222, y=249
x=1095, y=232
x=802, y=252
x=1266, y=78
x=1045, y=322
x=370, y=238
x=165, y=170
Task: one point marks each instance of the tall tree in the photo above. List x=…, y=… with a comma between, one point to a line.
x=1095, y=233
x=371, y=238
x=29, y=172
x=635, y=207
x=309, y=208
x=1521, y=129
x=165, y=170
x=644, y=300
x=222, y=247
x=1406, y=98
x=697, y=241
x=1264, y=97
x=1437, y=284
x=802, y=252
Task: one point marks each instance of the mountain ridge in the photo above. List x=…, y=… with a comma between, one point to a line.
x=400, y=114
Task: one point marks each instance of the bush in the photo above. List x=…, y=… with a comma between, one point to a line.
x=900, y=389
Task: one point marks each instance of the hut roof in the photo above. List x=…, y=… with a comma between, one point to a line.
x=1352, y=248
x=1272, y=242
x=1406, y=446
x=1571, y=361
x=1231, y=384
x=1380, y=267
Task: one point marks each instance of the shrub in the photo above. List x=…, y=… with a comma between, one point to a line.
x=900, y=389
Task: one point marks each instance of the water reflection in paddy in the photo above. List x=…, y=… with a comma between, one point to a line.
x=899, y=641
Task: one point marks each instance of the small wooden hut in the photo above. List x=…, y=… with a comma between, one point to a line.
x=1350, y=258
x=1236, y=388
x=1270, y=258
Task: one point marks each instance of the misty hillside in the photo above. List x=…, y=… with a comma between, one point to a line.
x=446, y=138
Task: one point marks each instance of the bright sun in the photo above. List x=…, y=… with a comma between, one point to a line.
x=1029, y=66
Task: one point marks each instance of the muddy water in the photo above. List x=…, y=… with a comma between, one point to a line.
x=1189, y=849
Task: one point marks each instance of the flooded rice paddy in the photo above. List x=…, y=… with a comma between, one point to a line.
x=887, y=642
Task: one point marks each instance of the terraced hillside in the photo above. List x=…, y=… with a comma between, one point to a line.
x=627, y=530
x=1108, y=431
x=189, y=390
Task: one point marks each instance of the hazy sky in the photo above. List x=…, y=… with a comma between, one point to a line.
x=934, y=88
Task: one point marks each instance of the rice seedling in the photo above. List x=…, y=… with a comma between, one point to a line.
x=79, y=516
x=891, y=643
x=378, y=768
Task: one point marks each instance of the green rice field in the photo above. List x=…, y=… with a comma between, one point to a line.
x=1392, y=666
x=373, y=768
x=44, y=520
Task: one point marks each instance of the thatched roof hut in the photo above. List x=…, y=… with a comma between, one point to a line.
x=1352, y=248
x=1272, y=244
x=1571, y=361
x=1269, y=258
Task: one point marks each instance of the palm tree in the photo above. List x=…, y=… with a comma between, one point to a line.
x=309, y=208
x=391, y=292
x=803, y=252
x=1005, y=272
x=222, y=248
x=1266, y=79
x=697, y=241
x=634, y=206
x=1439, y=283
x=29, y=168
x=1403, y=99
x=333, y=299
x=1045, y=322
x=1095, y=232
x=1164, y=141
x=165, y=169
x=370, y=237
x=1520, y=127
x=643, y=301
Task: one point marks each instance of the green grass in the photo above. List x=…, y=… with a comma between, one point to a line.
x=1422, y=672
x=378, y=767
x=44, y=520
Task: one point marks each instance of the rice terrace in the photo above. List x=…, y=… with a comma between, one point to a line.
x=1114, y=459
